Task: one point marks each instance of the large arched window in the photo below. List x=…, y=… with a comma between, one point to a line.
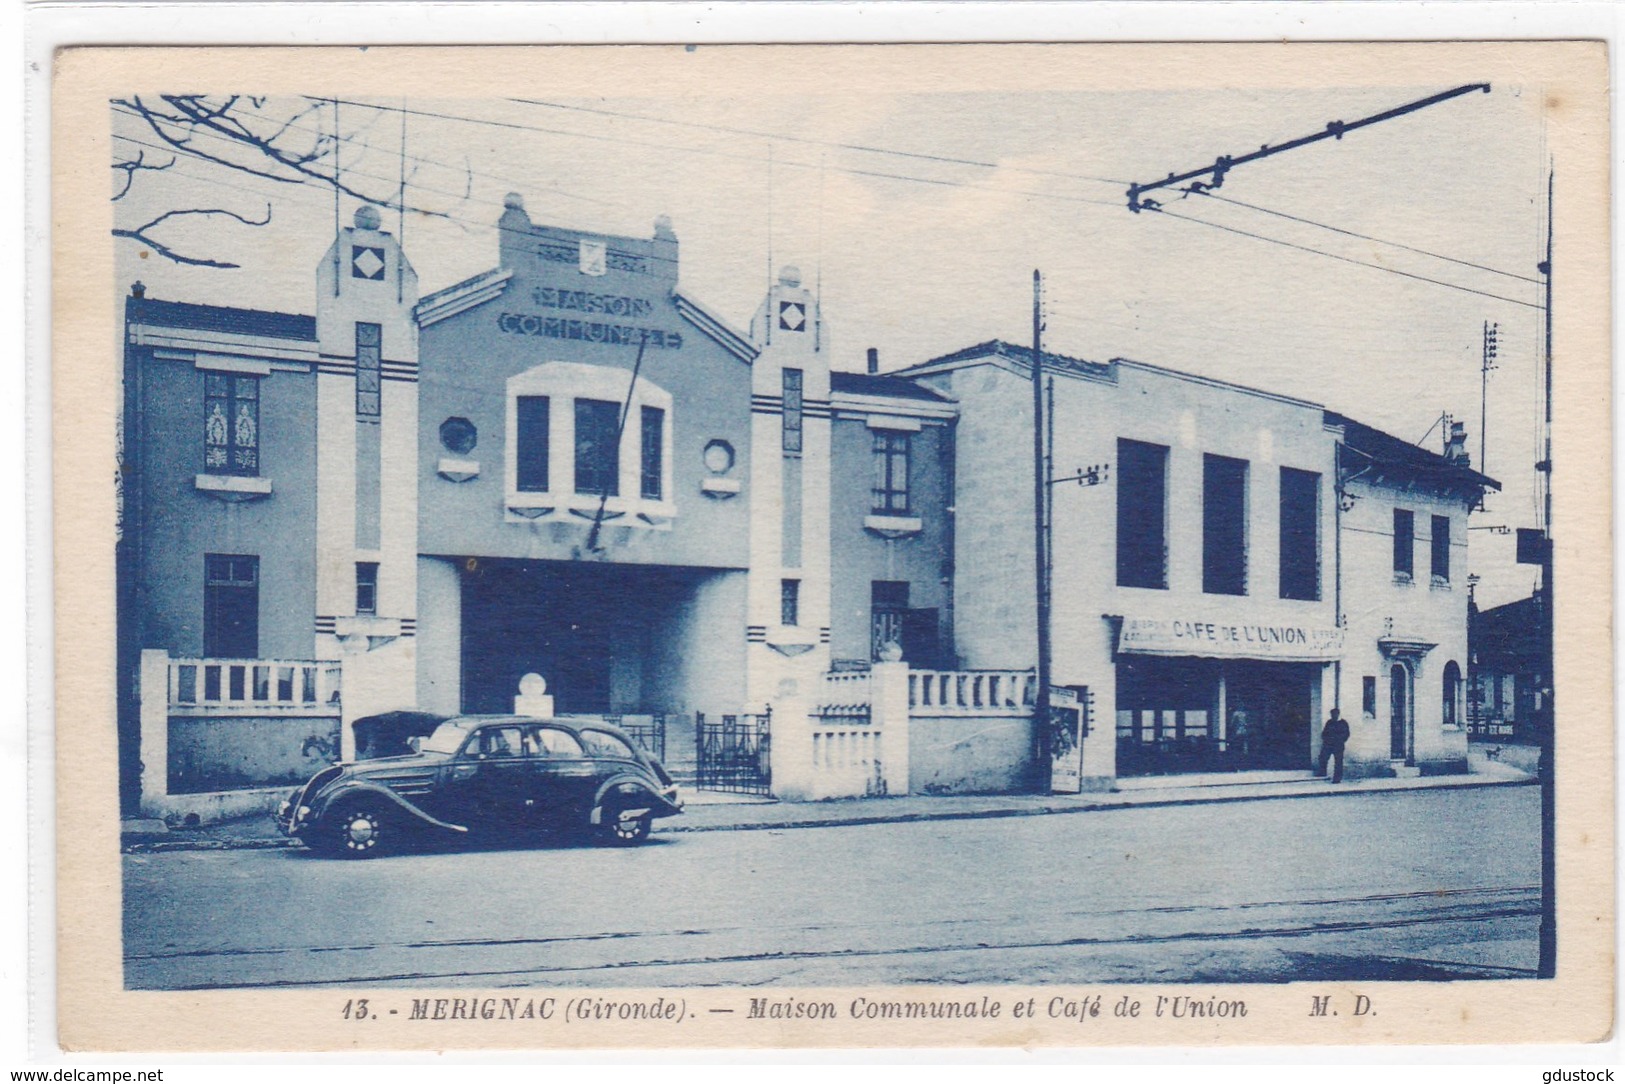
x=1452, y=695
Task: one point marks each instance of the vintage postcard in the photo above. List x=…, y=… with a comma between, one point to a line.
x=984, y=545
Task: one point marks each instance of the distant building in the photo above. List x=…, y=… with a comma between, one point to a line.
x=1511, y=671
x=569, y=466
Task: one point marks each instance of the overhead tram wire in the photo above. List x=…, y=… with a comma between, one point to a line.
x=419, y=158
x=731, y=155
x=1365, y=236
x=302, y=182
x=723, y=128
x=478, y=121
x=1342, y=259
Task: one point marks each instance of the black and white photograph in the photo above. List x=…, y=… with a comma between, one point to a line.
x=836, y=533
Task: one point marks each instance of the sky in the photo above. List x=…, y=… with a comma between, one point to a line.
x=920, y=217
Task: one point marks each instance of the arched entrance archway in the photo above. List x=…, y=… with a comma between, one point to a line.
x=1399, y=712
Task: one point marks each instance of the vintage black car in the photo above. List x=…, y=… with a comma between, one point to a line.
x=493, y=775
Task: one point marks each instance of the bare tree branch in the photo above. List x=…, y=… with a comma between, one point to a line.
x=295, y=147
x=129, y=168
x=140, y=234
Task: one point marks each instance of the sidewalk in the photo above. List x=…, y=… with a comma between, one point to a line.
x=708, y=812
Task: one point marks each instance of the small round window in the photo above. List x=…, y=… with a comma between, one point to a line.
x=459, y=435
x=719, y=457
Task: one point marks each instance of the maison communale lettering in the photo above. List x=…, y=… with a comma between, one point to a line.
x=588, y=330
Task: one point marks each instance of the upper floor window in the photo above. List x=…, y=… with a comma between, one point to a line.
x=570, y=448
x=1300, y=534
x=366, y=587
x=789, y=602
x=1404, y=543
x=1224, y=525
x=231, y=423
x=891, y=473
x=368, y=362
x=1142, y=514
x=532, y=435
x=792, y=410
x=652, y=470
x=1441, y=548
x=598, y=450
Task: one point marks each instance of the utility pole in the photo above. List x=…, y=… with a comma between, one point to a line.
x=1548, y=733
x=1041, y=713
x=1492, y=334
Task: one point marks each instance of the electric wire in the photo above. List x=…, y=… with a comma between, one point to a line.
x=731, y=155
x=1366, y=237
x=1343, y=259
x=779, y=137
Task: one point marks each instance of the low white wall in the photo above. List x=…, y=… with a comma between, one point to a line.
x=962, y=754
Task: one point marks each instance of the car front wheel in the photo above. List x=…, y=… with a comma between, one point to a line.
x=627, y=831
x=359, y=830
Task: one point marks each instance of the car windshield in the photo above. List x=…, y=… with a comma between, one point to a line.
x=447, y=738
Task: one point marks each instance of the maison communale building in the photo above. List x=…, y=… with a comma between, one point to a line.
x=569, y=466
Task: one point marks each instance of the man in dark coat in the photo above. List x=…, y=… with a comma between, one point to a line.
x=1333, y=737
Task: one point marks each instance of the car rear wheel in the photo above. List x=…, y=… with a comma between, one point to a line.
x=358, y=830
x=627, y=831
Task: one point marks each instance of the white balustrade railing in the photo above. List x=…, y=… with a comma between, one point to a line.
x=971, y=692
x=846, y=695
x=847, y=761
x=254, y=686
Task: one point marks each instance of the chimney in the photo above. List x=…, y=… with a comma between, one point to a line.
x=138, y=289
x=1455, y=448
x=874, y=361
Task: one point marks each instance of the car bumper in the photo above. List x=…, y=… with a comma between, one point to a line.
x=292, y=820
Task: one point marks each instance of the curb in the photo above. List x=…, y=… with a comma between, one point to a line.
x=1049, y=809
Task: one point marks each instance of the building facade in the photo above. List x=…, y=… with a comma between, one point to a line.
x=569, y=466
x=1253, y=562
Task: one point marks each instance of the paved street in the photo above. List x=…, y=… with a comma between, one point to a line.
x=1413, y=884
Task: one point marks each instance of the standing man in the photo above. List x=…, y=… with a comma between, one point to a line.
x=1333, y=737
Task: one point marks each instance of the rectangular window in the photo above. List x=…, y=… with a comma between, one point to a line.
x=1368, y=695
x=530, y=457
x=792, y=410
x=888, y=607
x=368, y=363
x=366, y=587
x=1142, y=514
x=231, y=606
x=654, y=436
x=598, y=447
x=789, y=602
x=231, y=424
x=1224, y=525
x=1404, y=543
x=1300, y=534
x=1441, y=548
x=890, y=496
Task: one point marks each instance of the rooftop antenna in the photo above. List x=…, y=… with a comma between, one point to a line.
x=767, y=320
x=338, y=145
x=400, y=217
x=818, y=273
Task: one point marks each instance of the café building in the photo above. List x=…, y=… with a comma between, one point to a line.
x=1250, y=562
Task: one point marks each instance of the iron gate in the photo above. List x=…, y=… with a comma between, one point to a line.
x=650, y=735
x=735, y=754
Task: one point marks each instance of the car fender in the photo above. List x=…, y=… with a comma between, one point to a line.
x=629, y=790
x=341, y=793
